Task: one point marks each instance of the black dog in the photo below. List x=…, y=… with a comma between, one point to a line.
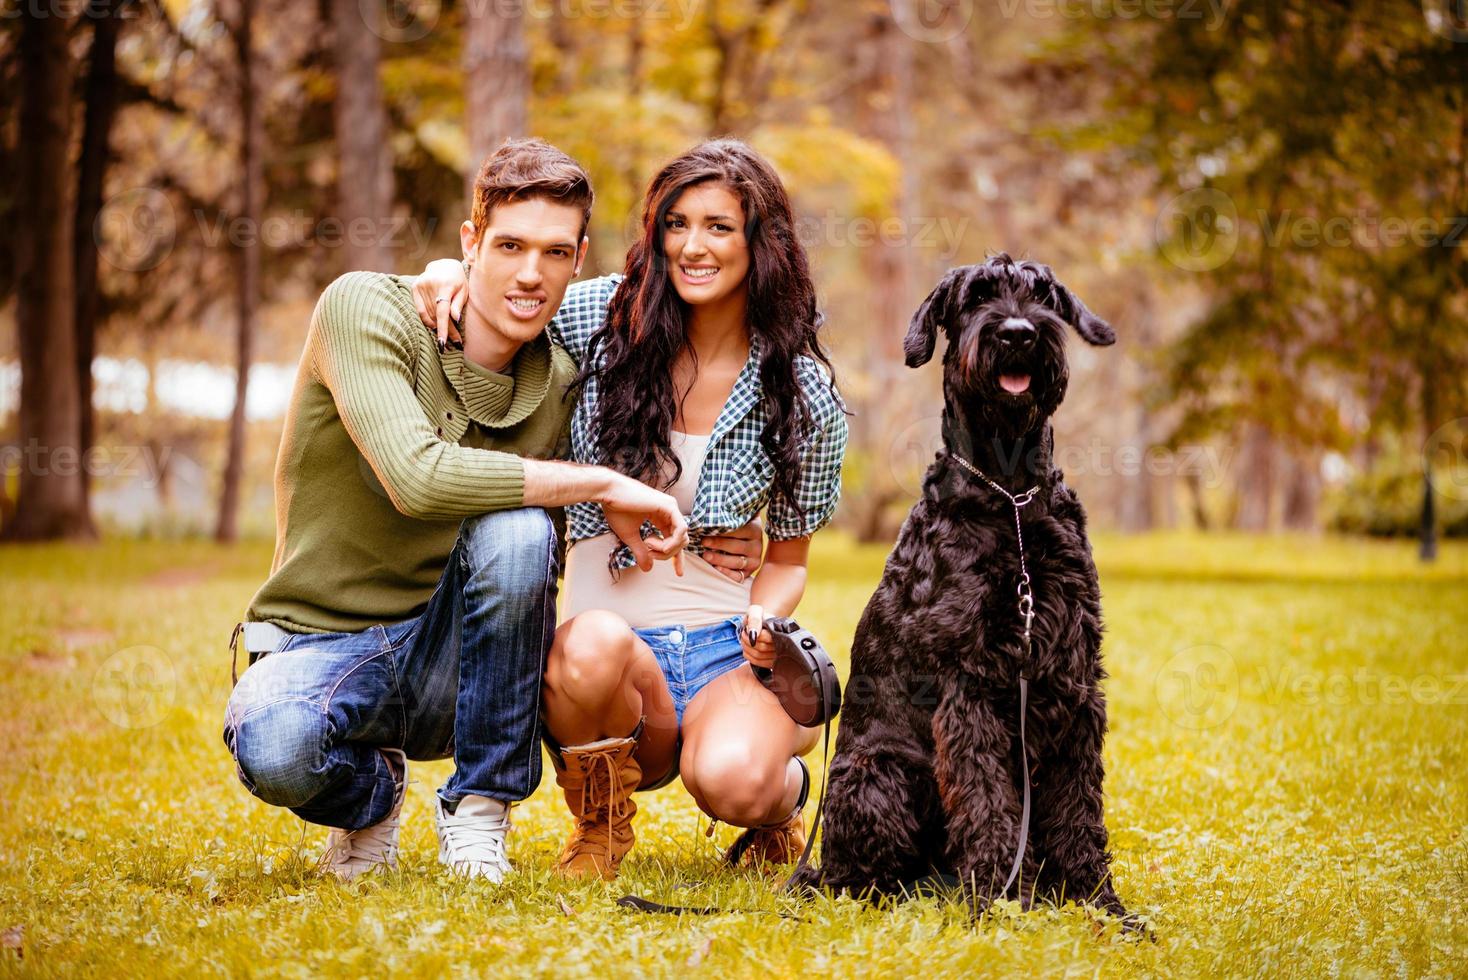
x=927, y=776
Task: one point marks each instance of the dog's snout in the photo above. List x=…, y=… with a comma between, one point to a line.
x=1017, y=331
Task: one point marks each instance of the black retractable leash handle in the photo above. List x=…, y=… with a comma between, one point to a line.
x=803, y=677
x=805, y=681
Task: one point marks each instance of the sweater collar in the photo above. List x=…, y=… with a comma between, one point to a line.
x=499, y=400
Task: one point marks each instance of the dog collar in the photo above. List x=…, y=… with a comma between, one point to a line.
x=1018, y=500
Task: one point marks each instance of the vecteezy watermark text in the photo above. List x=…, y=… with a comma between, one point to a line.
x=143, y=463
x=1200, y=230
x=299, y=229
x=1212, y=13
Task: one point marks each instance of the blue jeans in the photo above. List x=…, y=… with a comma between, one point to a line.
x=461, y=680
x=691, y=658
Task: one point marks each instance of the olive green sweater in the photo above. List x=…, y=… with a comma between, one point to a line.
x=388, y=445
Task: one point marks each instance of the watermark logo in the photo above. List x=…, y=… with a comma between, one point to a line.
x=1198, y=687
x=932, y=21
x=135, y=230
x=1199, y=229
x=136, y=687
x=1447, y=18
x=913, y=450
x=1445, y=454
x=400, y=21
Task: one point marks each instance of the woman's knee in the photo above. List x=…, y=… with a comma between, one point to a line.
x=590, y=657
x=737, y=784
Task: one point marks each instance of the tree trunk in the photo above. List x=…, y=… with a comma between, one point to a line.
x=364, y=175
x=1193, y=483
x=247, y=266
x=1254, y=491
x=1427, y=536
x=52, y=501
x=1137, y=505
x=101, y=108
x=568, y=51
x=740, y=73
x=1299, y=510
x=885, y=114
x=496, y=83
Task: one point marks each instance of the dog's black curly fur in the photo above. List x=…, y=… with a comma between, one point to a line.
x=926, y=776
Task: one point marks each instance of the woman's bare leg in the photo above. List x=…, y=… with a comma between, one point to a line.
x=739, y=749
x=600, y=680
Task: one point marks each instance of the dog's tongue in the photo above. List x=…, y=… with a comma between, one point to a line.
x=1015, y=384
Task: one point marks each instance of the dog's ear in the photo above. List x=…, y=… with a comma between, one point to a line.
x=1092, y=328
x=922, y=332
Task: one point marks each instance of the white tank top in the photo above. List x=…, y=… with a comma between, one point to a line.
x=701, y=597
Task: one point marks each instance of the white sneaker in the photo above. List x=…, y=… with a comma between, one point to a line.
x=353, y=852
x=471, y=841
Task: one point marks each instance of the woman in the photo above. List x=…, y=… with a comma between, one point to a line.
x=701, y=374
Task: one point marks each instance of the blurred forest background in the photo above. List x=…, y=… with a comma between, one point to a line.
x=1266, y=197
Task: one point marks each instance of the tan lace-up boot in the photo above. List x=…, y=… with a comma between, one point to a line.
x=598, y=779
x=779, y=843
x=782, y=843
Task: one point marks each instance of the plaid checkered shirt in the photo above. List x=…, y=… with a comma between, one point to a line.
x=735, y=483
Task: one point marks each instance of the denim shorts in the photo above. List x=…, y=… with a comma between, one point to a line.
x=691, y=658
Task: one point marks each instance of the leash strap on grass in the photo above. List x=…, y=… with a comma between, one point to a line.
x=1024, y=813
x=637, y=903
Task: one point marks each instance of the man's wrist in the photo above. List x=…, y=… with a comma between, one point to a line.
x=607, y=481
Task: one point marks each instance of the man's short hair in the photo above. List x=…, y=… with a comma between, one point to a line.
x=522, y=169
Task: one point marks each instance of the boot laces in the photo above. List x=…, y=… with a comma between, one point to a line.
x=602, y=801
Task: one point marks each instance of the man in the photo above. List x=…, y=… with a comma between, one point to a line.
x=412, y=599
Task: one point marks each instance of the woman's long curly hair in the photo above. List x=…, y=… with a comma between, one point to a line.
x=646, y=326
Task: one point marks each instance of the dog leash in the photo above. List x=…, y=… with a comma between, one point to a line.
x=636, y=903
x=1027, y=616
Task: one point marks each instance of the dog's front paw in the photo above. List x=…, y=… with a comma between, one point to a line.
x=1137, y=926
x=1133, y=924
x=807, y=881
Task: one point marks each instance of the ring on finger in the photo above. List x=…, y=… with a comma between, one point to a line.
x=441, y=299
x=743, y=562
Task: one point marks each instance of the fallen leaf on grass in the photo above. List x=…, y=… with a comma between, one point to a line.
x=175, y=578
x=81, y=638
x=45, y=660
x=565, y=906
x=703, y=950
x=14, y=938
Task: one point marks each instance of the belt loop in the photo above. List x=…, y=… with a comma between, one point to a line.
x=234, y=641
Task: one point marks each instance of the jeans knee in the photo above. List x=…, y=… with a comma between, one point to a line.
x=279, y=750
x=516, y=547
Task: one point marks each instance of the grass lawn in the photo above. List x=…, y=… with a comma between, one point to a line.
x=1287, y=793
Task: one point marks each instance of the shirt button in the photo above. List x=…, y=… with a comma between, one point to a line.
x=676, y=636
x=439, y=430
x=451, y=416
